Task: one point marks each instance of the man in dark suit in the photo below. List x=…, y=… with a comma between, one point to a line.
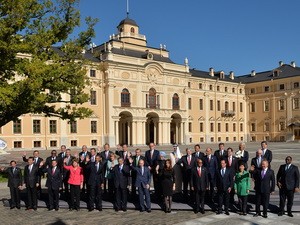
x=82, y=162
x=135, y=163
x=95, y=183
x=288, y=184
x=62, y=153
x=256, y=161
x=52, y=157
x=152, y=156
x=224, y=184
x=242, y=155
x=266, y=153
x=187, y=162
x=15, y=180
x=232, y=164
x=198, y=154
x=221, y=153
x=121, y=173
x=142, y=182
x=125, y=154
x=264, y=181
x=199, y=184
x=54, y=184
x=211, y=164
x=105, y=155
x=32, y=182
x=36, y=159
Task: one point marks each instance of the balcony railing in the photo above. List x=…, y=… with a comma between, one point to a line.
x=152, y=106
x=125, y=104
x=228, y=113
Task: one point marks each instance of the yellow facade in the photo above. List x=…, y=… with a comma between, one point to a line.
x=144, y=97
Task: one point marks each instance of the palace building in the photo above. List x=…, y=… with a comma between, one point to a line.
x=143, y=97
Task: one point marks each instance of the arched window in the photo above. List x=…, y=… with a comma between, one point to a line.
x=125, y=98
x=151, y=100
x=175, y=101
x=132, y=30
x=226, y=106
x=121, y=30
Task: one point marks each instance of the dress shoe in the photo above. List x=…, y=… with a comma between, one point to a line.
x=18, y=207
x=99, y=209
x=244, y=214
x=219, y=212
x=290, y=215
x=256, y=215
x=90, y=210
x=12, y=207
x=71, y=209
x=280, y=214
x=202, y=211
x=227, y=213
x=35, y=209
x=56, y=209
x=264, y=216
x=50, y=209
x=142, y=210
x=149, y=211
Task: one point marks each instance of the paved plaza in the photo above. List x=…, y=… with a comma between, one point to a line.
x=180, y=217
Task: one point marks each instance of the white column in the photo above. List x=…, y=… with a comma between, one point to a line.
x=181, y=133
x=155, y=132
x=177, y=133
x=134, y=132
x=143, y=140
x=117, y=132
x=160, y=133
x=129, y=129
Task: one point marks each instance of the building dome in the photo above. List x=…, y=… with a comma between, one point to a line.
x=128, y=21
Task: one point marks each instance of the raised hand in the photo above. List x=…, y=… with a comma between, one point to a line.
x=87, y=159
x=41, y=163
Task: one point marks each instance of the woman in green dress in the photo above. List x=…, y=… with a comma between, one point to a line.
x=242, y=187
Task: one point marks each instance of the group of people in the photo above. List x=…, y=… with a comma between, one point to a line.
x=199, y=175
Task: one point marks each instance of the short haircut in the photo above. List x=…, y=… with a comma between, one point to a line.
x=264, y=142
x=197, y=145
x=221, y=143
x=13, y=161
x=31, y=157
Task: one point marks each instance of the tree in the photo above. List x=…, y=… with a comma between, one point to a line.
x=35, y=76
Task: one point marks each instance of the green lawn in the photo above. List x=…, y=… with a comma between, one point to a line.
x=3, y=177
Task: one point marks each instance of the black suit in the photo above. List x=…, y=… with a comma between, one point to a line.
x=245, y=159
x=264, y=185
x=223, y=183
x=152, y=162
x=15, y=179
x=95, y=181
x=211, y=166
x=198, y=155
x=287, y=181
x=200, y=184
x=135, y=164
x=53, y=183
x=82, y=164
x=121, y=183
x=105, y=156
x=186, y=166
x=125, y=156
x=31, y=179
x=220, y=156
x=268, y=156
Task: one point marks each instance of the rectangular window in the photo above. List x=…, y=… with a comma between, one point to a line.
x=234, y=138
x=17, y=127
x=36, y=126
x=94, y=142
x=281, y=86
x=296, y=85
x=190, y=103
x=267, y=126
x=266, y=106
x=267, y=88
x=17, y=144
x=210, y=87
x=93, y=98
x=190, y=127
x=73, y=143
x=253, y=127
x=281, y=104
x=219, y=127
x=226, y=127
x=241, y=91
x=189, y=84
x=296, y=103
x=227, y=139
x=201, y=139
x=212, y=139
x=201, y=127
x=200, y=85
x=252, y=91
x=219, y=139
x=241, y=107
x=218, y=105
x=93, y=126
x=53, y=126
x=282, y=139
x=201, y=104
x=234, y=127
x=233, y=106
x=92, y=73
x=211, y=104
x=37, y=144
x=226, y=89
x=211, y=127
x=218, y=88
x=252, y=107
x=53, y=143
x=73, y=127
x=241, y=127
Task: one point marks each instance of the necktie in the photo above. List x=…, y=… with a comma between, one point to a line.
x=30, y=168
x=189, y=160
x=142, y=171
x=93, y=158
x=199, y=171
x=124, y=155
x=221, y=153
x=120, y=169
x=258, y=162
x=53, y=171
x=35, y=160
x=208, y=159
x=137, y=161
x=229, y=161
x=197, y=154
x=106, y=154
x=97, y=166
x=223, y=172
x=287, y=167
x=14, y=169
x=263, y=174
x=151, y=154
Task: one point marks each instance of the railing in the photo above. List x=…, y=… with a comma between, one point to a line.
x=228, y=113
x=152, y=106
x=125, y=104
x=128, y=34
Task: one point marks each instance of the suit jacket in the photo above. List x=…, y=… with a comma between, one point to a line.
x=121, y=177
x=54, y=181
x=199, y=183
x=224, y=182
x=234, y=164
x=289, y=178
x=142, y=179
x=211, y=166
x=39, y=160
x=264, y=185
x=31, y=178
x=219, y=156
x=15, y=179
x=126, y=161
x=135, y=164
x=185, y=165
x=245, y=159
x=200, y=155
x=254, y=162
x=268, y=155
x=152, y=161
x=49, y=161
x=103, y=155
x=96, y=177
x=81, y=162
